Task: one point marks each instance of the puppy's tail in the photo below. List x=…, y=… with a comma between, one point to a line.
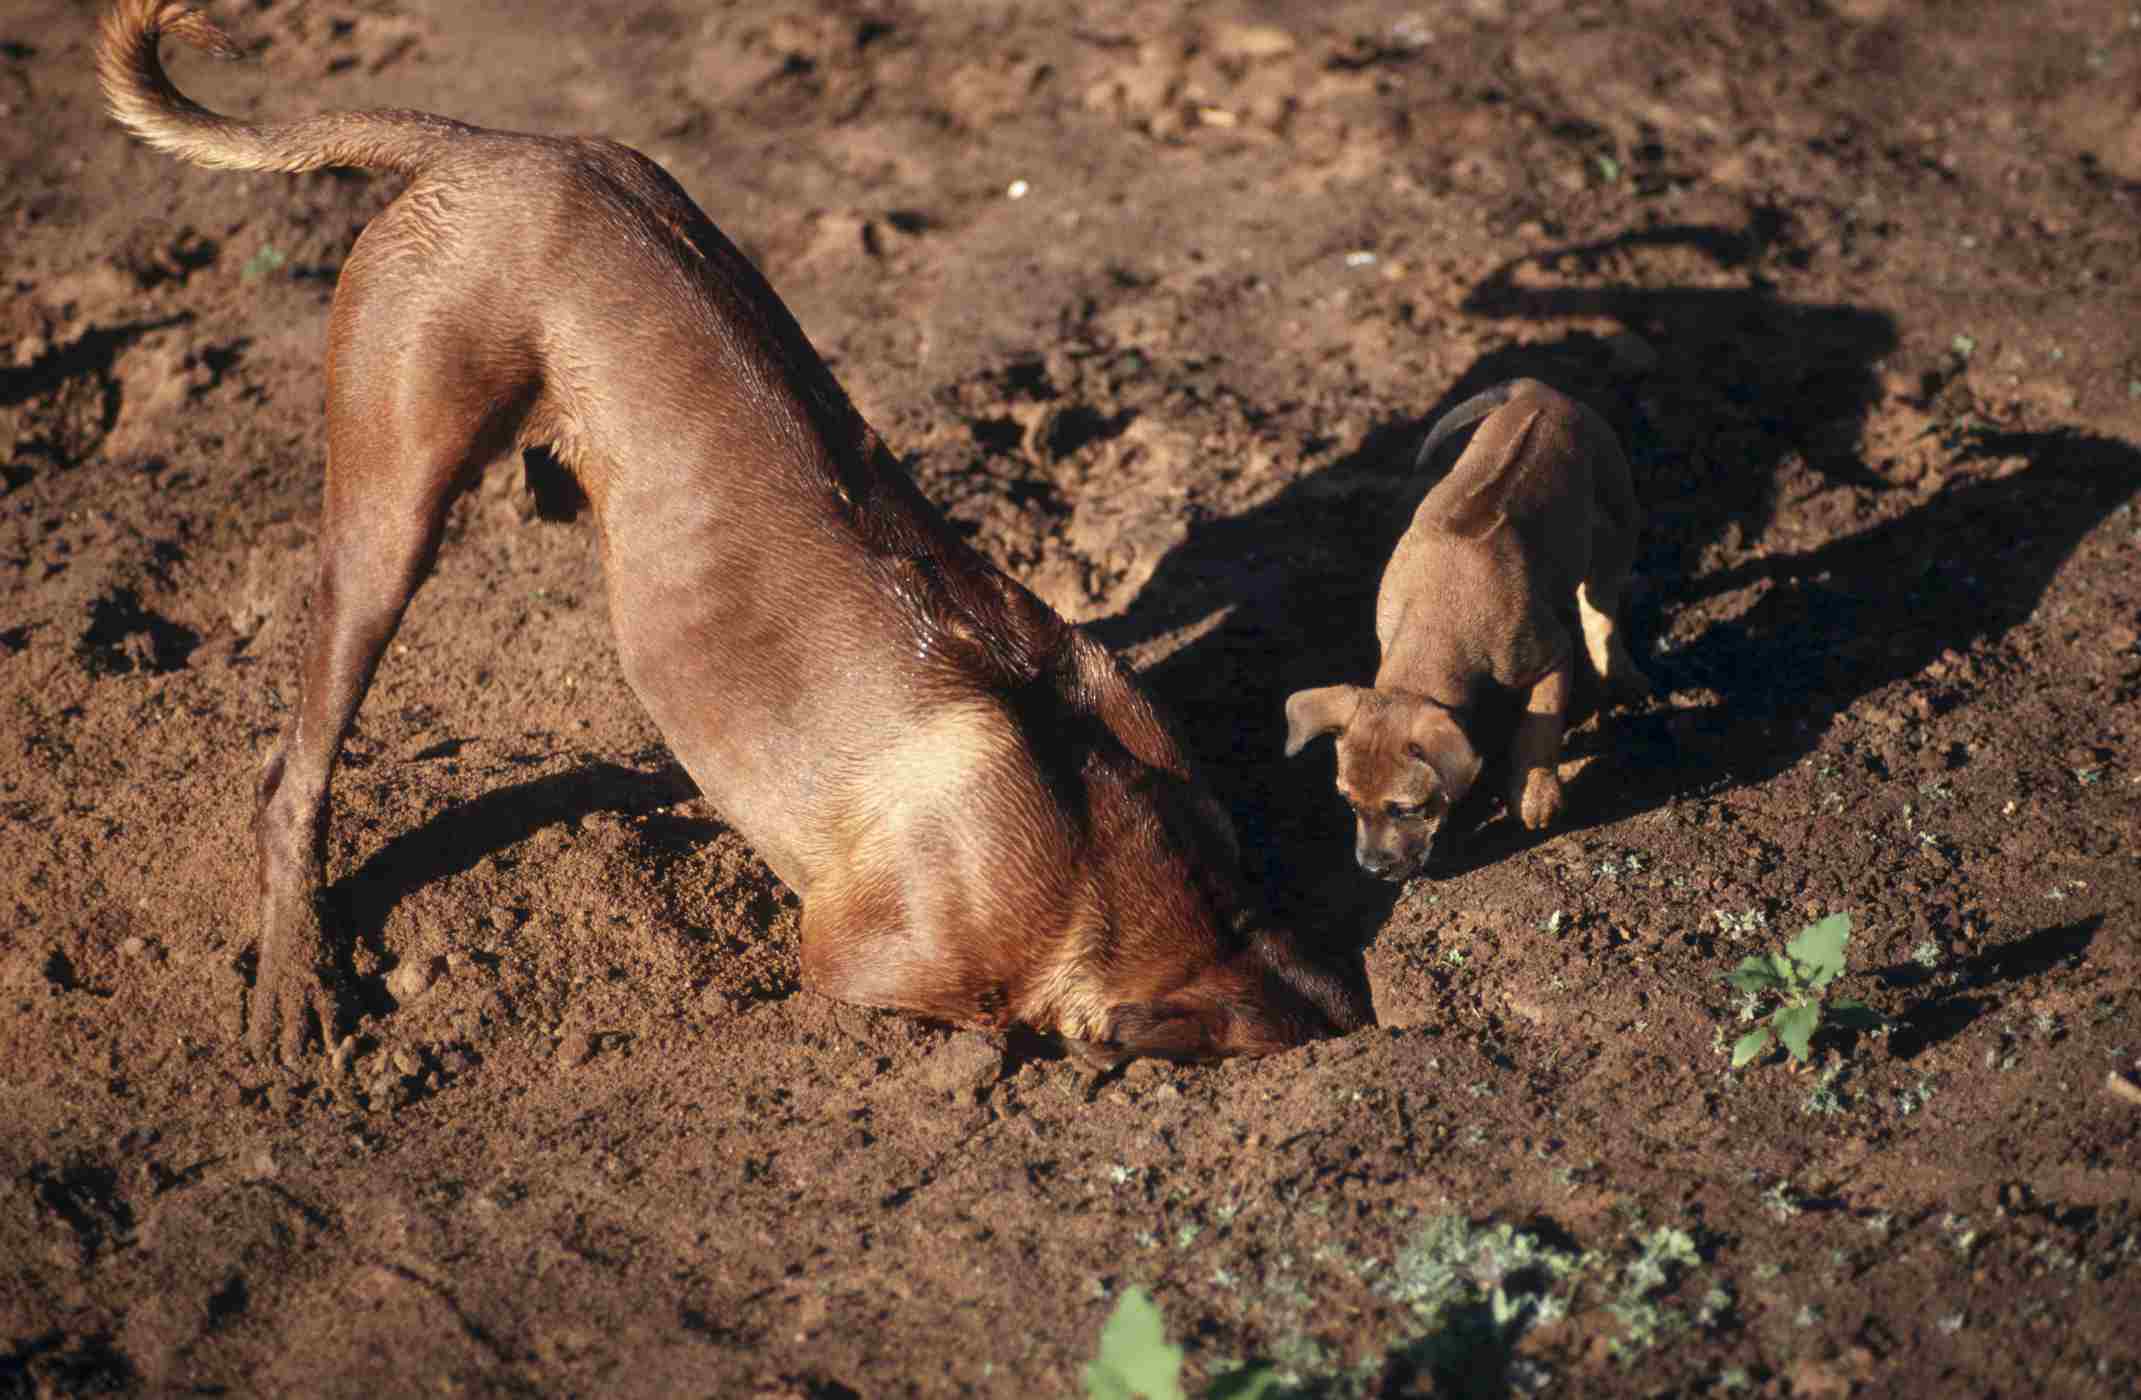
x=141, y=96
x=1461, y=417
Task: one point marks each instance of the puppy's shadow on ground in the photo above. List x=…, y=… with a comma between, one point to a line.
x=1721, y=393
x=1734, y=400
x=1743, y=378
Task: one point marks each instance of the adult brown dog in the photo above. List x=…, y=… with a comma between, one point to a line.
x=1524, y=545
x=987, y=822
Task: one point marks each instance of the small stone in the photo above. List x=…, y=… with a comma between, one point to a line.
x=1251, y=41
x=411, y=980
x=577, y=1048
x=408, y=1062
x=344, y=1053
x=380, y=1088
x=134, y=945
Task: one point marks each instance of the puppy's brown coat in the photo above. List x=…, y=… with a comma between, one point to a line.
x=1522, y=548
x=986, y=820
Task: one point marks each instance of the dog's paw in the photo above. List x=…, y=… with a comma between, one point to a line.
x=1538, y=801
x=296, y=999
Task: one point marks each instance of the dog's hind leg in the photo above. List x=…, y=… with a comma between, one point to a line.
x=1598, y=597
x=401, y=444
x=1599, y=608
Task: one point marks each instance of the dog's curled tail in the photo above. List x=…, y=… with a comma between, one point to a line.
x=140, y=95
x=1461, y=417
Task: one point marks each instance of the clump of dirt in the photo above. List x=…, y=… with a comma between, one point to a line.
x=1158, y=302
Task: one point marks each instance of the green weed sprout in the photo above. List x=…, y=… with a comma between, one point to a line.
x=1137, y=1362
x=1798, y=977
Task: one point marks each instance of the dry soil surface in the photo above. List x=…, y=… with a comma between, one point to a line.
x=1156, y=299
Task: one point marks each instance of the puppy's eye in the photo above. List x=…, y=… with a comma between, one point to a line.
x=1406, y=812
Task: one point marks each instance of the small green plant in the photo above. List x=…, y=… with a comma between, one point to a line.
x=1475, y=1291
x=1137, y=1362
x=1825, y=1097
x=1665, y=1253
x=1798, y=978
x=261, y=264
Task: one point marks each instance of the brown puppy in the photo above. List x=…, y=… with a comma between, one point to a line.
x=1525, y=543
x=986, y=820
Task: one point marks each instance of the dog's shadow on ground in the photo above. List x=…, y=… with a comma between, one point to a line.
x=457, y=838
x=1715, y=391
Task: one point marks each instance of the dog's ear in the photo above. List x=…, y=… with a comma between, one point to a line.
x=1311, y=714
x=1434, y=736
x=1158, y=1030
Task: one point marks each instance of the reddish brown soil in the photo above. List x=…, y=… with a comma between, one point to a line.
x=1856, y=283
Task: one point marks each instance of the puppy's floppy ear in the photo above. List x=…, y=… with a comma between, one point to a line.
x=1436, y=738
x=1311, y=714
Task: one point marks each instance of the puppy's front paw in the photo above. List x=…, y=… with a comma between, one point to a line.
x=1538, y=801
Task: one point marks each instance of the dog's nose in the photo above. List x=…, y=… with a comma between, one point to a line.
x=1373, y=861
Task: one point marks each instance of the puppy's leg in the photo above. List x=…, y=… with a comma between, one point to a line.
x=1599, y=610
x=1535, y=788
x=389, y=483
x=1598, y=597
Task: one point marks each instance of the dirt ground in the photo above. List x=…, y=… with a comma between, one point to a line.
x=1157, y=298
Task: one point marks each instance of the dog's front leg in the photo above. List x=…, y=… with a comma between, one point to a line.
x=1535, y=788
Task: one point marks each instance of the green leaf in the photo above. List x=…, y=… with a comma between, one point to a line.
x=1754, y=975
x=1795, y=1027
x=1750, y=1045
x=1249, y=1383
x=1787, y=970
x=1135, y=1358
x=1856, y=1015
x=261, y=264
x=1819, y=948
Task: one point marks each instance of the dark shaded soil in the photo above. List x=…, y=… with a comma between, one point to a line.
x=1856, y=283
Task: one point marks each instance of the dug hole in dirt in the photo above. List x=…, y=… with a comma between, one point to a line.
x=1157, y=301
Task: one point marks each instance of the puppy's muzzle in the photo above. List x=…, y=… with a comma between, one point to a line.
x=1385, y=863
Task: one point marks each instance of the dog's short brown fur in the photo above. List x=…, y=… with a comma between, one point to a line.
x=1523, y=547
x=986, y=820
